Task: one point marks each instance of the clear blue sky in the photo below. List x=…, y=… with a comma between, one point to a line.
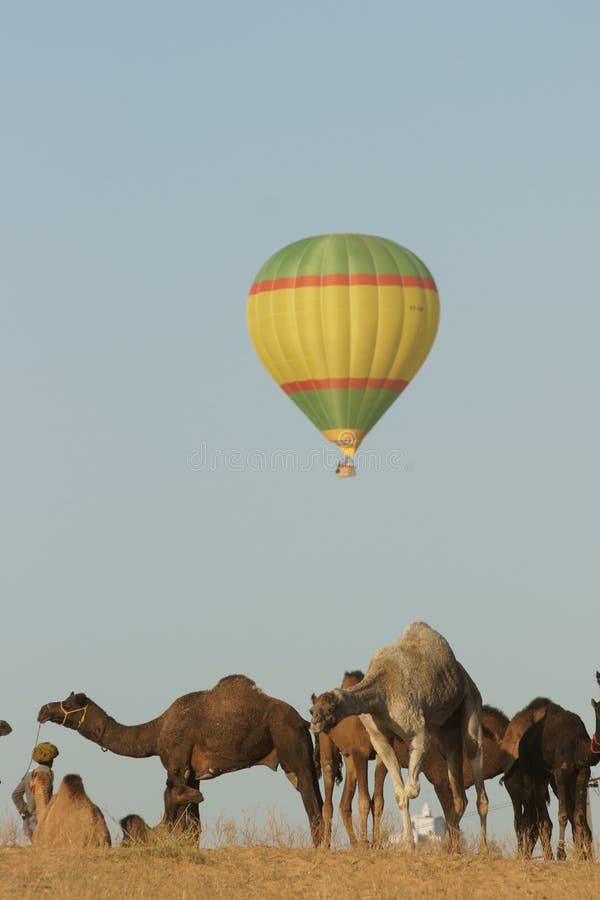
x=152, y=157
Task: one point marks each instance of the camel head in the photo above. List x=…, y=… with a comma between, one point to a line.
x=324, y=711
x=183, y=793
x=4, y=728
x=69, y=712
x=41, y=784
x=596, y=705
x=178, y=796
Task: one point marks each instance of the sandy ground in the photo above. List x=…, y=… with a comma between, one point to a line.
x=266, y=872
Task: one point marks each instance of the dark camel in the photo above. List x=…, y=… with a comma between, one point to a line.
x=206, y=734
x=514, y=779
x=558, y=750
x=350, y=739
x=135, y=830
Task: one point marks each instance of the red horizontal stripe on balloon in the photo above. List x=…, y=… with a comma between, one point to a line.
x=280, y=284
x=324, y=384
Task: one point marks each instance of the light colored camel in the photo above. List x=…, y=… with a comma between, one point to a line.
x=69, y=819
x=414, y=689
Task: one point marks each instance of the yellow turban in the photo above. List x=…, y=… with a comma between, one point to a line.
x=44, y=753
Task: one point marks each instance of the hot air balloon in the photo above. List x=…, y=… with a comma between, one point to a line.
x=343, y=322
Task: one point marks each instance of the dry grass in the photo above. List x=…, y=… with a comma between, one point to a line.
x=272, y=860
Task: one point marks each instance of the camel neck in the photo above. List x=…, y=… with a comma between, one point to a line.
x=362, y=698
x=126, y=740
x=589, y=751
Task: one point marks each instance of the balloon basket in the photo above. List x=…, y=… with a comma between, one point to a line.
x=345, y=469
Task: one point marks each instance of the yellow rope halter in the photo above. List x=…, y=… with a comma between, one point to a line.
x=69, y=712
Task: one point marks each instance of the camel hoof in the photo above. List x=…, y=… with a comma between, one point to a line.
x=560, y=853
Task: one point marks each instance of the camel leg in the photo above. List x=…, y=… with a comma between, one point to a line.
x=452, y=836
x=380, y=773
x=544, y=822
x=183, y=814
x=581, y=829
x=562, y=791
x=346, y=800
x=361, y=767
x=525, y=831
x=295, y=753
x=472, y=741
x=386, y=753
x=450, y=742
x=416, y=754
x=192, y=810
x=328, y=783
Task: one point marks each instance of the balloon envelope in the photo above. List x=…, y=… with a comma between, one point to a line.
x=343, y=322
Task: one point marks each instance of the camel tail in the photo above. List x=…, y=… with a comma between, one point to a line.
x=317, y=756
x=339, y=765
x=510, y=771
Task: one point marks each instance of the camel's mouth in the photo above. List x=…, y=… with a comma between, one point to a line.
x=45, y=714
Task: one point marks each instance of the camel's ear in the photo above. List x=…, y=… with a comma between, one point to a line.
x=313, y=698
x=598, y=677
x=594, y=703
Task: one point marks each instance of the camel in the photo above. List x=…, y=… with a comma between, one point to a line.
x=414, y=689
x=4, y=728
x=558, y=750
x=135, y=830
x=494, y=723
x=350, y=740
x=69, y=819
x=202, y=735
x=514, y=779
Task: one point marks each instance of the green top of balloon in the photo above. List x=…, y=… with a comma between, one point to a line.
x=332, y=254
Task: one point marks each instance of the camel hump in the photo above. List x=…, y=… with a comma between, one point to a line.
x=423, y=639
x=538, y=703
x=232, y=680
x=492, y=712
x=73, y=785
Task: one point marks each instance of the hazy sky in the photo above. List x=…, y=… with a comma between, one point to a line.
x=153, y=156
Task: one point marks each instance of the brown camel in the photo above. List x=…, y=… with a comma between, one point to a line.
x=349, y=738
x=558, y=750
x=514, y=779
x=4, y=728
x=135, y=830
x=69, y=819
x=206, y=734
x=412, y=690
